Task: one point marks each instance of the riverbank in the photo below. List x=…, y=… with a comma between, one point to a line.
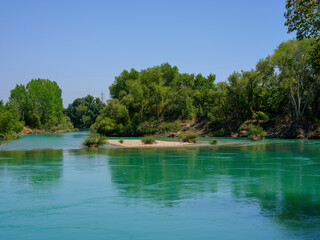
x=275, y=128
x=28, y=131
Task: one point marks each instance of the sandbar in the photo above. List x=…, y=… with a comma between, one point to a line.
x=135, y=143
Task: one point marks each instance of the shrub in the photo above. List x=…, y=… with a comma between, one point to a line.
x=260, y=116
x=219, y=133
x=255, y=133
x=188, y=137
x=121, y=141
x=148, y=128
x=148, y=140
x=65, y=125
x=165, y=127
x=213, y=142
x=9, y=136
x=94, y=140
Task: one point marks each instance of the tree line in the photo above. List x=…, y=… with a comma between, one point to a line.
x=285, y=85
x=153, y=100
x=156, y=100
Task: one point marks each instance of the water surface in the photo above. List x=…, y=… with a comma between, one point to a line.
x=53, y=188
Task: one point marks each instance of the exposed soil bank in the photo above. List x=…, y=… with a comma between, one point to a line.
x=273, y=128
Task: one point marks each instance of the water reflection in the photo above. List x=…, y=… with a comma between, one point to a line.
x=36, y=167
x=285, y=181
x=282, y=179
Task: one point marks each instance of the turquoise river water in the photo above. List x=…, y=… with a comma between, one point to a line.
x=53, y=188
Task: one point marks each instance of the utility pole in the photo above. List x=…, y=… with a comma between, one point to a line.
x=102, y=97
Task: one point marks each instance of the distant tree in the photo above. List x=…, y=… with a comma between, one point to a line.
x=84, y=111
x=39, y=104
x=46, y=101
x=303, y=16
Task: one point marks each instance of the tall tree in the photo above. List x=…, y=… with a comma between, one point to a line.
x=292, y=58
x=303, y=16
x=45, y=98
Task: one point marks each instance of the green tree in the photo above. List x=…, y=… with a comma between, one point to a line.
x=84, y=111
x=46, y=101
x=296, y=75
x=10, y=126
x=303, y=16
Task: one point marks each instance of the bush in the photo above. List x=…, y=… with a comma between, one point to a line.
x=165, y=127
x=65, y=125
x=255, y=133
x=148, y=128
x=121, y=141
x=219, y=133
x=10, y=126
x=148, y=140
x=108, y=126
x=94, y=140
x=188, y=137
x=157, y=127
x=260, y=116
x=213, y=142
x=9, y=136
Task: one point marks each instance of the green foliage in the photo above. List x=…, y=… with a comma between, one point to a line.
x=39, y=104
x=188, y=136
x=148, y=140
x=148, y=128
x=65, y=125
x=10, y=126
x=45, y=98
x=121, y=141
x=303, y=17
x=84, y=111
x=94, y=140
x=296, y=75
x=33, y=120
x=157, y=127
x=166, y=127
x=220, y=133
x=255, y=133
x=214, y=142
x=260, y=116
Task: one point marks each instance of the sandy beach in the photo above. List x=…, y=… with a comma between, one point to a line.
x=130, y=143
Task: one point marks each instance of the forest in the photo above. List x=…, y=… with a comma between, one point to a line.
x=281, y=96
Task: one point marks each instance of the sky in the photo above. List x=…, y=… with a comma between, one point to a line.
x=83, y=45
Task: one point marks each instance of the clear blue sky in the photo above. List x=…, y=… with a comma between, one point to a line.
x=83, y=45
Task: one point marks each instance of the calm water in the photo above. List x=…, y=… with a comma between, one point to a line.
x=52, y=188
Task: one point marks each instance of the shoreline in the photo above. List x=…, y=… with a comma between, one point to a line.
x=135, y=143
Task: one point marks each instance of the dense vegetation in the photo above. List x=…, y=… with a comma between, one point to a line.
x=160, y=99
x=284, y=88
x=10, y=124
x=84, y=111
x=37, y=105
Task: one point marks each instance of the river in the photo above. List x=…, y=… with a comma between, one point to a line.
x=53, y=188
